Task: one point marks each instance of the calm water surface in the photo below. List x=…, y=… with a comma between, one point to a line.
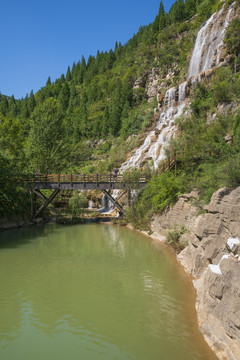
x=93, y=292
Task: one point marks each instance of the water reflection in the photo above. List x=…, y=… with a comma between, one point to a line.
x=108, y=290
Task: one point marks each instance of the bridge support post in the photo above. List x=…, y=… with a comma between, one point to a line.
x=46, y=201
x=115, y=201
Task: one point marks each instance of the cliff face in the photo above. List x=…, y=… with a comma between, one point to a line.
x=208, y=54
x=213, y=258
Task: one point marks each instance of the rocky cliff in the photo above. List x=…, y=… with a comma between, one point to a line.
x=212, y=257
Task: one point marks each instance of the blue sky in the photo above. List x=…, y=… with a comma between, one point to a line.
x=41, y=38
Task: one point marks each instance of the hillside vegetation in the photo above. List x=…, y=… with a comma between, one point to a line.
x=92, y=116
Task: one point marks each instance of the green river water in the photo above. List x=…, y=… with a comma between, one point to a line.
x=94, y=292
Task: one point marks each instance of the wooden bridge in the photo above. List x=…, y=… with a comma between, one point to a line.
x=83, y=182
x=59, y=182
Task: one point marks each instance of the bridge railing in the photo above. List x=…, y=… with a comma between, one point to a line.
x=78, y=178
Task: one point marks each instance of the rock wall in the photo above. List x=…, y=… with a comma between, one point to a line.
x=213, y=258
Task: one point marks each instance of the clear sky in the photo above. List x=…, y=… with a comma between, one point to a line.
x=41, y=38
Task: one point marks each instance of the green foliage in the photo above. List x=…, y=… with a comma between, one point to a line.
x=177, y=11
x=77, y=203
x=46, y=138
x=139, y=215
x=14, y=199
x=204, y=9
x=12, y=139
x=232, y=37
x=174, y=236
x=163, y=191
x=161, y=16
x=131, y=177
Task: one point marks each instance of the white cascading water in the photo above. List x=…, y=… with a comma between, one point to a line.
x=206, y=53
x=182, y=92
x=153, y=146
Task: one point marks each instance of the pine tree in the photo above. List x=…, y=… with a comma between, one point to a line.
x=111, y=59
x=13, y=107
x=83, y=68
x=81, y=128
x=161, y=16
x=68, y=75
x=31, y=102
x=24, y=108
x=73, y=70
x=190, y=8
x=64, y=96
x=127, y=90
x=48, y=81
x=115, y=110
x=71, y=98
x=177, y=11
x=105, y=123
x=125, y=119
x=3, y=105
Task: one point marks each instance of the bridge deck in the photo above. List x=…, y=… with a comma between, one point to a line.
x=83, y=182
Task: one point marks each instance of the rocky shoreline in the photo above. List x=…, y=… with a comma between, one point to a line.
x=212, y=258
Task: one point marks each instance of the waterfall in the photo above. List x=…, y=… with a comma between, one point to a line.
x=194, y=67
x=182, y=92
x=106, y=205
x=156, y=140
x=90, y=204
x=206, y=54
x=209, y=41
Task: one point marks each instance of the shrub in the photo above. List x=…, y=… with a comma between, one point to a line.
x=131, y=177
x=174, y=236
x=77, y=203
x=163, y=190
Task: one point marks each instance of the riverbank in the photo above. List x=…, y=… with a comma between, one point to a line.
x=212, y=258
x=15, y=223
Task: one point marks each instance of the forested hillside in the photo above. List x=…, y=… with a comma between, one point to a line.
x=92, y=116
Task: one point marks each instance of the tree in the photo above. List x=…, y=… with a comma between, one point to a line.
x=46, y=138
x=115, y=110
x=48, y=81
x=80, y=124
x=13, y=107
x=12, y=139
x=82, y=71
x=177, y=11
x=24, y=108
x=3, y=105
x=64, y=95
x=232, y=40
x=161, y=16
x=190, y=8
x=72, y=98
x=105, y=123
x=31, y=102
x=68, y=75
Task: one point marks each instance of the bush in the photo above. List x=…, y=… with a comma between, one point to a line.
x=163, y=190
x=131, y=177
x=77, y=203
x=174, y=236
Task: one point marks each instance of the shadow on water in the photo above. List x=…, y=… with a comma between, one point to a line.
x=15, y=238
